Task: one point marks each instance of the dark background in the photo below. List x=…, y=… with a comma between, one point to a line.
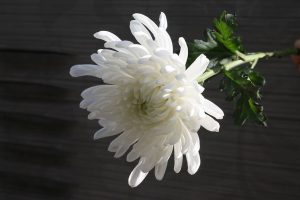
x=46, y=146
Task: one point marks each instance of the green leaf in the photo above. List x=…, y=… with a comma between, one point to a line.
x=210, y=47
x=219, y=43
x=256, y=78
x=243, y=85
x=225, y=26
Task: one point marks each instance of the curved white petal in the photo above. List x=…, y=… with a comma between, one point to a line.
x=163, y=23
x=118, y=45
x=85, y=70
x=183, y=54
x=186, y=139
x=104, y=132
x=143, y=39
x=147, y=22
x=104, y=90
x=163, y=39
x=106, y=36
x=210, y=124
x=178, y=156
x=122, y=150
x=136, y=26
x=150, y=161
x=136, y=176
x=197, y=67
x=212, y=109
x=196, y=142
x=193, y=162
x=160, y=170
x=138, y=50
x=98, y=59
x=132, y=156
x=106, y=54
x=178, y=164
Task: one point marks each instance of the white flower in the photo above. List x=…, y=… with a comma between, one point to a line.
x=150, y=99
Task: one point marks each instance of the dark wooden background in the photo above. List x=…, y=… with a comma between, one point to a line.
x=46, y=146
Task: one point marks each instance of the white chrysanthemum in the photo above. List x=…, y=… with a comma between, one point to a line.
x=150, y=99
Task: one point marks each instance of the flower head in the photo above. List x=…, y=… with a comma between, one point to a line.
x=151, y=100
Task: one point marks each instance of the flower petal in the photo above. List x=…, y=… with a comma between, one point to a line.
x=136, y=27
x=183, y=54
x=132, y=156
x=143, y=39
x=138, y=50
x=98, y=59
x=210, y=124
x=163, y=39
x=106, y=36
x=121, y=144
x=163, y=23
x=160, y=170
x=178, y=163
x=178, y=157
x=193, y=162
x=196, y=142
x=197, y=67
x=103, y=90
x=147, y=22
x=105, y=132
x=174, y=136
x=150, y=161
x=212, y=109
x=136, y=176
x=118, y=45
x=86, y=70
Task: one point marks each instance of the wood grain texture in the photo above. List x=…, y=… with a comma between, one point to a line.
x=46, y=146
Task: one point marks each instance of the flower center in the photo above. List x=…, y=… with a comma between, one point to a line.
x=148, y=106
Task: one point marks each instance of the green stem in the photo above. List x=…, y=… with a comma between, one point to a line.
x=287, y=52
x=246, y=58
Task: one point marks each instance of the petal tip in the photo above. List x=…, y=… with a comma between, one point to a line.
x=216, y=129
x=73, y=71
